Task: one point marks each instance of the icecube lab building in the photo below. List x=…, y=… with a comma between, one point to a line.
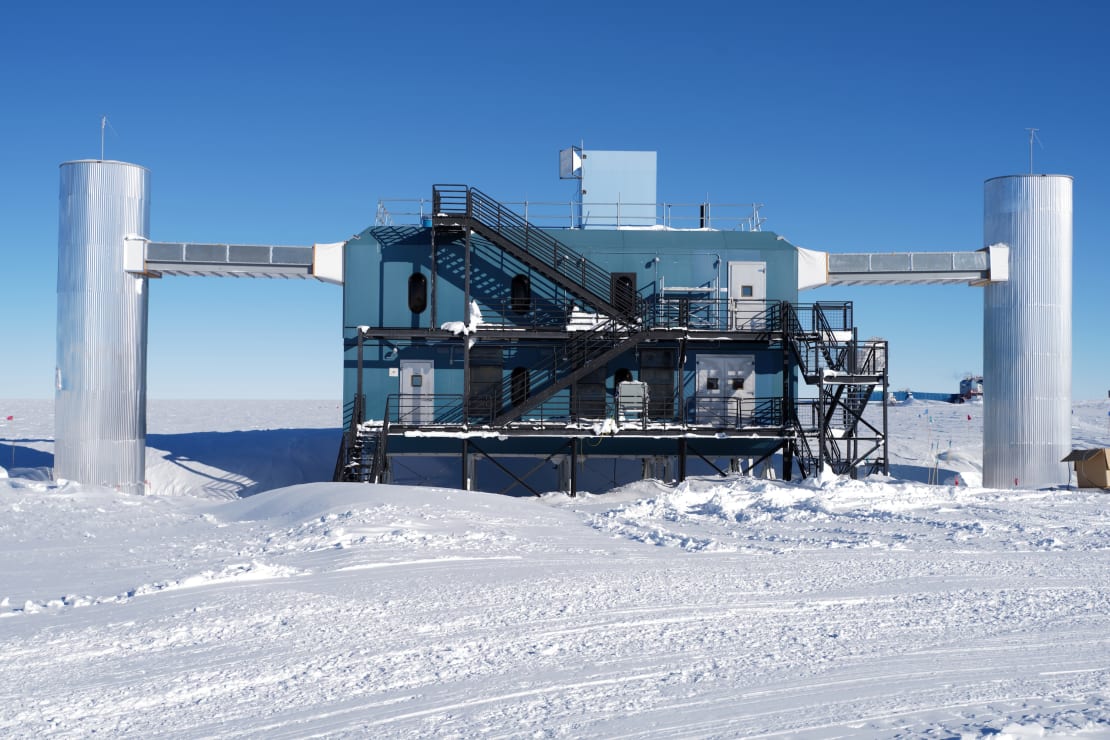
x=476, y=334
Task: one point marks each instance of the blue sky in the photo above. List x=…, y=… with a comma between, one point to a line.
x=862, y=126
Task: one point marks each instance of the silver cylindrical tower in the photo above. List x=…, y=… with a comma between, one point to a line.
x=1027, y=333
x=100, y=381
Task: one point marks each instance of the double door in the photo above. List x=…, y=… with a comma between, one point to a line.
x=725, y=395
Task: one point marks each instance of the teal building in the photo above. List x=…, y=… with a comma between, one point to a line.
x=519, y=356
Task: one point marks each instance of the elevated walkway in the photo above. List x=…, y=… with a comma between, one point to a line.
x=988, y=265
x=322, y=262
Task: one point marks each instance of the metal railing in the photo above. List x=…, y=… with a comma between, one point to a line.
x=567, y=409
x=735, y=413
x=581, y=352
x=816, y=333
x=714, y=314
x=530, y=314
x=362, y=449
x=809, y=414
x=574, y=215
x=693, y=313
x=822, y=316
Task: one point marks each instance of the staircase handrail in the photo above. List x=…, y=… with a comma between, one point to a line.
x=827, y=341
x=577, y=351
x=377, y=466
x=794, y=333
x=486, y=213
x=539, y=243
x=582, y=354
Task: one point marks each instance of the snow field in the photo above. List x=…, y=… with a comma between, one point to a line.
x=733, y=607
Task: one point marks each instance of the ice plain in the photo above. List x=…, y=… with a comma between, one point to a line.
x=243, y=598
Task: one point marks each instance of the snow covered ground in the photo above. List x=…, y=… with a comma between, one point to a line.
x=717, y=608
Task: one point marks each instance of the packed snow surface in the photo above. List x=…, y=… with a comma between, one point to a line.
x=738, y=607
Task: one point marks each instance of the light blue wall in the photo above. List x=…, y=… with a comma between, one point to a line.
x=688, y=258
x=380, y=262
x=618, y=177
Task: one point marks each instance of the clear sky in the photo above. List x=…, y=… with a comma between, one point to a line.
x=863, y=126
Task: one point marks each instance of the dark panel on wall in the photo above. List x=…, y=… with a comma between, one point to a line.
x=622, y=291
x=658, y=371
x=485, y=381
x=588, y=395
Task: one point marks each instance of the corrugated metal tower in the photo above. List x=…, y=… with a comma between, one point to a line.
x=1027, y=333
x=100, y=396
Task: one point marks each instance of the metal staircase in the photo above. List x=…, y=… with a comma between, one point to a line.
x=462, y=208
x=458, y=208
x=830, y=430
x=579, y=356
x=362, y=455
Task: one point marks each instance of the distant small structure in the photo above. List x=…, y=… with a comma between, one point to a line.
x=1092, y=467
x=971, y=389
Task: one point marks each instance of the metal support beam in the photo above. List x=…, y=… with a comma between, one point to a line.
x=510, y=473
x=766, y=457
x=789, y=411
x=681, y=459
x=466, y=320
x=465, y=464
x=434, y=313
x=707, y=461
x=574, y=443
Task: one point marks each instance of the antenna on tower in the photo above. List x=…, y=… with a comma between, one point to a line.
x=1033, y=136
x=104, y=123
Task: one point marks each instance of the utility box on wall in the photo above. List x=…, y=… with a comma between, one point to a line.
x=1092, y=467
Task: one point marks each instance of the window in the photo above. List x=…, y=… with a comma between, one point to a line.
x=746, y=291
x=416, y=380
x=418, y=292
x=712, y=384
x=737, y=384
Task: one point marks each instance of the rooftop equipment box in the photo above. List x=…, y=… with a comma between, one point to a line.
x=1092, y=467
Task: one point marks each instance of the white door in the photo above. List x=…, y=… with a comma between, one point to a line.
x=726, y=390
x=747, y=296
x=417, y=387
